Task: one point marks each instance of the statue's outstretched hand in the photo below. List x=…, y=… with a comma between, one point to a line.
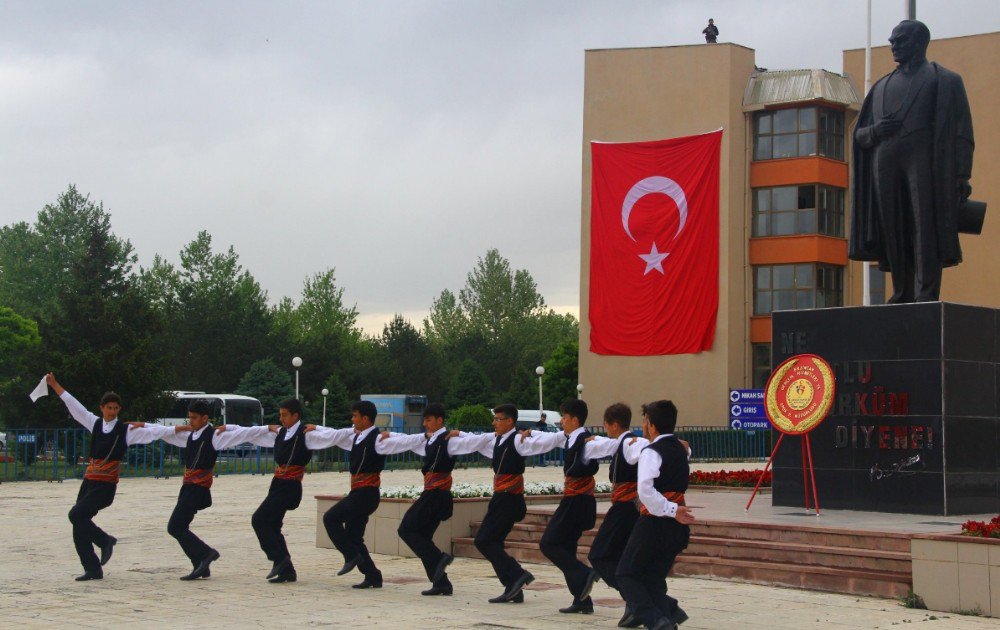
x=964, y=190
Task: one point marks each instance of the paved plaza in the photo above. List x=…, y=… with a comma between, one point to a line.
x=141, y=586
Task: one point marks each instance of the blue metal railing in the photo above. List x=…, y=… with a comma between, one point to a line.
x=57, y=454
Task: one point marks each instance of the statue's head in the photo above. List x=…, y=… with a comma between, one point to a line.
x=909, y=41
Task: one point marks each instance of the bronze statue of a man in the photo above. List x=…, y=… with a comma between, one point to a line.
x=912, y=163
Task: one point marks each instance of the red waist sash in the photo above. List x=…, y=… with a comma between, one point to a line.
x=102, y=470
x=574, y=486
x=290, y=472
x=366, y=480
x=437, y=481
x=511, y=484
x=676, y=497
x=624, y=492
x=198, y=477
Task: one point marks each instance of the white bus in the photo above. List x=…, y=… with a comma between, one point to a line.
x=229, y=408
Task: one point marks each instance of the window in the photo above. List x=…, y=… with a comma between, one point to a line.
x=761, y=364
x=798, y=132
x=810, y=209
x=794, y=287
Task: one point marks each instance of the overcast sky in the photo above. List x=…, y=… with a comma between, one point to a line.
x=395, y=141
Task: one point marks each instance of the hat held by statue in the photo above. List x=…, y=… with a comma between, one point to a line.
x=971, y=215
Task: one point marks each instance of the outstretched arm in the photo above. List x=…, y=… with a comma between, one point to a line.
x=472, y=443
x=142, y=433
x=229, y=435
x=599, y=446
x=75, y=407
x=392, y=443
x=537, y=443
x=319, y=438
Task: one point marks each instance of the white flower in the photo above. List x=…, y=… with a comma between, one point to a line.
x=474, y=490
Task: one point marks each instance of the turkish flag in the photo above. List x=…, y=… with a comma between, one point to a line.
x=654, y=246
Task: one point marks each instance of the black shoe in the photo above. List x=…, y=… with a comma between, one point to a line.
x=680, y=616
x=349, y=565
x=107, y=549
x=628, y=620
x=585, y=607
x=663, y=624
x=437, y=590
x=201, y=571
x=446, y=559
x=517, y=585
x=588, y=584
x=502, y=599
x=288, y=576
x=370, y=581
x=97, y=574
x=281, y=566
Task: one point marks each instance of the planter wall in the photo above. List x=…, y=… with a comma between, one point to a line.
x=957, y=573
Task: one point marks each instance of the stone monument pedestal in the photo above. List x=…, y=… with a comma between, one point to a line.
x=915, y=424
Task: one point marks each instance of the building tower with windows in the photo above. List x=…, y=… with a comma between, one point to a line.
x=784, y=203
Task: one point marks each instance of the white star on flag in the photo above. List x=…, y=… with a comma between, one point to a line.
x=654, y=260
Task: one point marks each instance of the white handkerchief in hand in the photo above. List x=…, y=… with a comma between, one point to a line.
x=41, y=390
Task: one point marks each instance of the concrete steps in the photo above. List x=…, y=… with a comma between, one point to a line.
x=816, y=558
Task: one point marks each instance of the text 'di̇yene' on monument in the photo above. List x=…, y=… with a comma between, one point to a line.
x=797, y=398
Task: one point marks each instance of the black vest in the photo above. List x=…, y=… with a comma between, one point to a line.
x=674, y=473
x=293, y=452
x=436, y=457
x=363, y=457
x=108, y=446
x=620, y=470
x=200, y=454
x=506, y=459
x=573, y=462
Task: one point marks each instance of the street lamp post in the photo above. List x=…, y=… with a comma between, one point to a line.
x=297, y=363
x=540, y=371
x=325, y=393
x=579, y=391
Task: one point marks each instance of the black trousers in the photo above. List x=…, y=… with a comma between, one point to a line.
x=345, y=523
x=504, y=510
x=642, y=573
x=191, y=499
x=93, y=497
x=611, y=538
x=574, y=516
x=418, y=527
x=284, y=495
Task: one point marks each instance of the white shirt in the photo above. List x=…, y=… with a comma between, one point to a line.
x=221, y=441
x=346, y=438
x=416, y=442
x=649, y=469
x=485, y=442
x=602, y=446
x=88, y=420
x=262, y=436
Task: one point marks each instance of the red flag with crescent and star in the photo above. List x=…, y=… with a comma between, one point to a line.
x=654, y=246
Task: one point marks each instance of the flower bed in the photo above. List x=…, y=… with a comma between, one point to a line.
x=476, y=490
x=733, y=478
x=982, y=529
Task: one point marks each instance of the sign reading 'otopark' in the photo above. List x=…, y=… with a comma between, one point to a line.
x=799, y=394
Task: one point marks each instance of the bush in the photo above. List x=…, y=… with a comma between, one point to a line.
x=470, y=416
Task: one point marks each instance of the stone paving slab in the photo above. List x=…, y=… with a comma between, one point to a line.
x=141, y=586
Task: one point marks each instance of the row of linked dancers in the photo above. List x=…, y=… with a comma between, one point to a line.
x=644, y=530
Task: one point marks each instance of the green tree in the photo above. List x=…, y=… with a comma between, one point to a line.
x=323, y=331
x=18, y=337
x=269, y=384
x=405, y=362
x=36, y=261
x=470, y=386
x=561, y=372
x=217, y=318
x=338, y=403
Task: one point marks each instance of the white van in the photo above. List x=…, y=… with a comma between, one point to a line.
x=528, y=419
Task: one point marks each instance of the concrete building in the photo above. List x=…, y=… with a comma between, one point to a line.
x=784, y=199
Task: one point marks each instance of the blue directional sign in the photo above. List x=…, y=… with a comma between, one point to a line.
x=746, y=410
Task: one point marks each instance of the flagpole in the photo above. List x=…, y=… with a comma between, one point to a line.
x=866, y=266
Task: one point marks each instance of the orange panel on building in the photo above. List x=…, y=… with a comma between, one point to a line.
x=779, y=250
x=806, y=170
x=760, y=329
